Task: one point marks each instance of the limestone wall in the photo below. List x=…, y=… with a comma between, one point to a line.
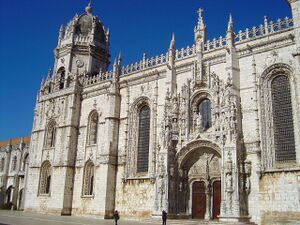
x=279, y=197
x=135, y=198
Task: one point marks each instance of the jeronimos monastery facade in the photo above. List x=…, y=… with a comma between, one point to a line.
x=210, y=131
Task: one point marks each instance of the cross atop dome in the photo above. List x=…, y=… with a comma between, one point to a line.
x=88, y=8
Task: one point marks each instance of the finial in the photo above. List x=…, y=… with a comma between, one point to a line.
x=115, y=61
x=172, y=43
x=49, y=74
x=230, y=23
x=200, y=11
x=88, y=9
x=119, y=58
x=200, y=19
x=42, y=82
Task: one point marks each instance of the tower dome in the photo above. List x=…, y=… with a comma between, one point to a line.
x=87, y=22
x=83, y=45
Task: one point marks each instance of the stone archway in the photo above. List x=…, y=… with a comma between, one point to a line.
x=20, y=203
x=8, y=195
x=200, y=179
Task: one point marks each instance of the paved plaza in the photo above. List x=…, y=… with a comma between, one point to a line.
x=8, y=217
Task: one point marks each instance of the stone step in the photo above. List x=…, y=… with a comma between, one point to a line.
x=194, y=222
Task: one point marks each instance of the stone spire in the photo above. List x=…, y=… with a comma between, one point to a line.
x=230, y=23
x=172, y=42
x=49, y=74
x=200, y=25
x=116, y=67
x=171, y=51
x=200, y=28
x=119, y=59
x=171, y=73
x=229, y=33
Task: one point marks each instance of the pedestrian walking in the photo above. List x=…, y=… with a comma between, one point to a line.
x=116, y=217
x=164, y=217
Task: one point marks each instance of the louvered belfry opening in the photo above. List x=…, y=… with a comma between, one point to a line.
x=283, y=119
x=143, y=139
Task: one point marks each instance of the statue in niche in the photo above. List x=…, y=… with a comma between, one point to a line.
x=228, y=182
x=199, y=122
x=247, y=185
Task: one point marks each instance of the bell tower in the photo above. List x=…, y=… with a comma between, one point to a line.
x=83, y=46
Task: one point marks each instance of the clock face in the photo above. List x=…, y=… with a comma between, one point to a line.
x=79, y=63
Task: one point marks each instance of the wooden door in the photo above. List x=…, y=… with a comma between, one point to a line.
x=216, y=199
x=199, y=200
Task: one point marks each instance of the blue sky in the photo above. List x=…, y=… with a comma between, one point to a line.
x=29, y=31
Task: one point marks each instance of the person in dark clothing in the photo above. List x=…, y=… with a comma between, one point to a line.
x=116, y=217
x=164, y=217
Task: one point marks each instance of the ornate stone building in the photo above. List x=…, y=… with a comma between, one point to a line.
x=208, y=131
x=14, y=161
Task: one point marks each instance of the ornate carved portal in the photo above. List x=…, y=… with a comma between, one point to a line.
x=200, y=183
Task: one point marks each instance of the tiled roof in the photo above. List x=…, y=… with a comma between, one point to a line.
x=15, y=141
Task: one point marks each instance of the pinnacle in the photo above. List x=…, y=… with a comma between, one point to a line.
x=230, y=23
x=172, y=43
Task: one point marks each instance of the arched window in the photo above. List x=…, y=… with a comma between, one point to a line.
x=25, y=162
x=2, y=164
x=88, y=178
x=204, y=109
x=45, y=178
x=50, y=135
x=61, y=76
x=283, y=119
x=93, y=128
x=143, y=139
x=14, y=163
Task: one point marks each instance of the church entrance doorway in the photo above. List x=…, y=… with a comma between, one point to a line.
x=216, y=199
x=198, y=200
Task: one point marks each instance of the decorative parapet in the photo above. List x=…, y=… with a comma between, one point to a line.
x=145, y=63
x=185, y=52
x=264, y=29
x=102, y=76
x=215, y=44
x=269, y=27
x=250, y=34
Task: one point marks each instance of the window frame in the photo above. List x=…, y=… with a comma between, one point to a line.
x=91, y=187
x=53, y=126
x=267, y=145
x=44, y=182
x=131, y=148
x=139, y=136
x=89, y=134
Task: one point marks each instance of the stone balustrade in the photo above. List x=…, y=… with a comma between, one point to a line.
x=269, y=27
x=264, y=29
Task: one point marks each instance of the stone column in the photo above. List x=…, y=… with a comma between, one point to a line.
x=208, y=202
